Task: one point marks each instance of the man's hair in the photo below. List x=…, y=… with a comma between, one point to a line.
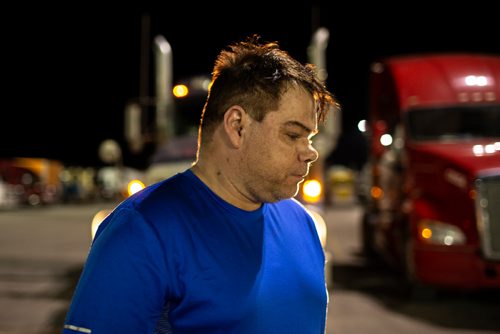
x=255, y=76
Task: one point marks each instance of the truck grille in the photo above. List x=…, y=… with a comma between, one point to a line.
x=488, y=214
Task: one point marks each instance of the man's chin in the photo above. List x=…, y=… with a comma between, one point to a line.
x=280, y=197
x=291, y=194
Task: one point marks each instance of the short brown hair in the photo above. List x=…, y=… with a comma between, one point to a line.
x=255, y=76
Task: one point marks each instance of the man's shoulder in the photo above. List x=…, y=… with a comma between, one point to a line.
x=159, y=197
x=169, y=187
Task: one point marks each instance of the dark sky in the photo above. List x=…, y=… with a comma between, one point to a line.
x=68, y=72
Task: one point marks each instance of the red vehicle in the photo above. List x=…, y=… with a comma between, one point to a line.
x=434, y=205
x=33, y=181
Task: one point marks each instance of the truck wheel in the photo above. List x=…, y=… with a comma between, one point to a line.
x=34, y=200
x=414, y=289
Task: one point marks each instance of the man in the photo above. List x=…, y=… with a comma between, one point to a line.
x=221, y=247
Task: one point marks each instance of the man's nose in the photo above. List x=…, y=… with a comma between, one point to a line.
x=309, y=154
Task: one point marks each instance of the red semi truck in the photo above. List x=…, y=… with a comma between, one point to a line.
x=433, y=208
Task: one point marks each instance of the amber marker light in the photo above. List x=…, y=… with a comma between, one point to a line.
x=376, y=192
x=180, y=91
x=134, y=186
x=311, y=190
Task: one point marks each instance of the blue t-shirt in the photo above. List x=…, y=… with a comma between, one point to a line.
x=176, y=258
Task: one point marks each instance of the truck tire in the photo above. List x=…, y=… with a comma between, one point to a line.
x=413, y=287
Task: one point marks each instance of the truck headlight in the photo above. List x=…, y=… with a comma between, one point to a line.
x=440, y=233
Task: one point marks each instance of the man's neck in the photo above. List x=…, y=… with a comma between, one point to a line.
x=220, y=182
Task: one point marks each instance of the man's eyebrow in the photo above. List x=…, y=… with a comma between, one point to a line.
x=300, y=125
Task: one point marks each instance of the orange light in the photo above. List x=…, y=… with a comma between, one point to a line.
x=472, y=194
x=180, y=91
x=134, y=186
x=426, y=233
x=376, y=192
x=312, y=190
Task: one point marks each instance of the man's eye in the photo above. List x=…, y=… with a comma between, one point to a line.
x=293, y=136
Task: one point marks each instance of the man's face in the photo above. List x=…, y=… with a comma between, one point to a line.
x=277, y=152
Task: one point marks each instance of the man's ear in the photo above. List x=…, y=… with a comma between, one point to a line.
x=234, y=123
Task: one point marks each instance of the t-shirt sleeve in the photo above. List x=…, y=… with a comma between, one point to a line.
x=123, y=285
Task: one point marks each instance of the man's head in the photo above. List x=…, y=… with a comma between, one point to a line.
x=255, y=76
x=262, y=110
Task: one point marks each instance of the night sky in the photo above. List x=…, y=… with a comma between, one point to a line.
x=68, y=72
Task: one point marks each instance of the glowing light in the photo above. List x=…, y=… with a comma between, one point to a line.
x=478, y=149
x=448, y=240
x=180, y=90
x=376, y=192
x=134, y=186
x=490, y=148
x=472, y=194
x=476, y=80
x=386, y=139
x=440, y=233
x=426, y=233
x=312, y=190
x=362, y=125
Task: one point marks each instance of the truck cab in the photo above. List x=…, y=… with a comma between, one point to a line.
x=434, y=167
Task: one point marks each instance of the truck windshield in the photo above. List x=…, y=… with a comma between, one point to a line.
x=454, y=122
